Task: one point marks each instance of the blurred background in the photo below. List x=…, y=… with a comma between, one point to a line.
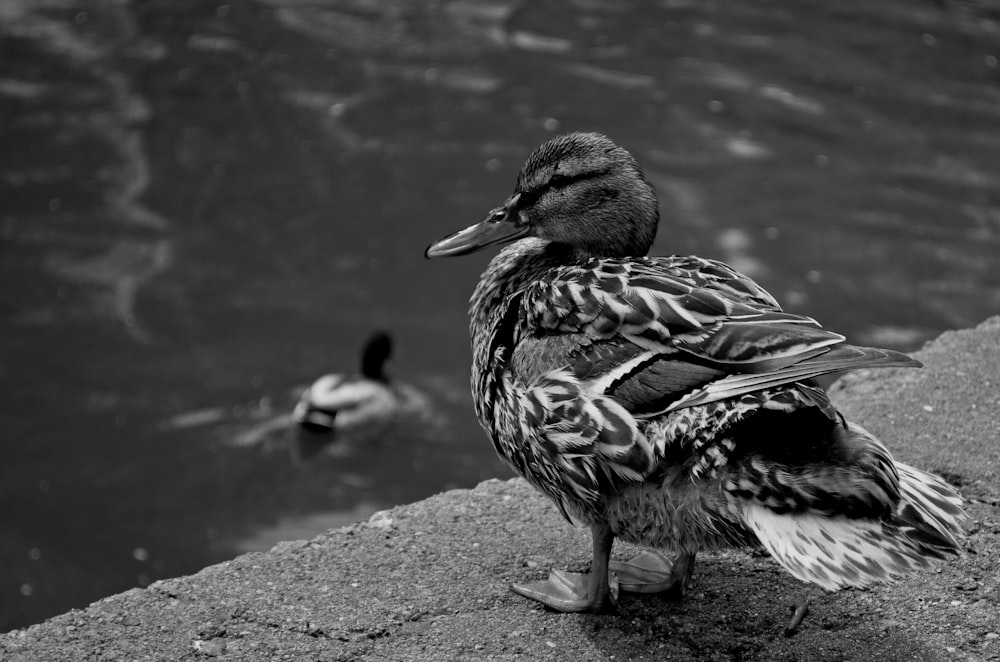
x=205, y=205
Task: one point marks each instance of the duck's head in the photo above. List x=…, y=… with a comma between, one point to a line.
x=581, y=190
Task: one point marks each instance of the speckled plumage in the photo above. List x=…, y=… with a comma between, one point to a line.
x=670, y=401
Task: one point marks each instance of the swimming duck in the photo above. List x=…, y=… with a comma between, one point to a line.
x=670, y=401
x=340, y=402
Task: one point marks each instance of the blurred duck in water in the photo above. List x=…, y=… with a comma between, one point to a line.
x=342, y=402
x=341, y=413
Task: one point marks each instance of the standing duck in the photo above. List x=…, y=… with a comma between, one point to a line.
x=669, y=401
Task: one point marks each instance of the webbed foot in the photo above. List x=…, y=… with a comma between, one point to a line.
x=652, y=572
x=594, y=591
x=572, y=592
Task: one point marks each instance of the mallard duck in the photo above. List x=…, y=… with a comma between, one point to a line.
x=342, y=402
x=670, y=401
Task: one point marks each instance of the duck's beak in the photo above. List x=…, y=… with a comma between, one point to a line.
x=500, y=226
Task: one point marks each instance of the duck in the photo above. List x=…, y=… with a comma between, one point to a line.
x=348, y=402
x=671, y=402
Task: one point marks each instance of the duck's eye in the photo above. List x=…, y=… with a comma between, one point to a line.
x=498, y=215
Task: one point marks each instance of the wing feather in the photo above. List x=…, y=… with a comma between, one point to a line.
x=599, y=347
x=660, y=334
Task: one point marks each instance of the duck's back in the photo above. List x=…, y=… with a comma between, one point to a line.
x=652, y=333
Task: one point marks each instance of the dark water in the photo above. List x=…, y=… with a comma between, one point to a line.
x=203, y=205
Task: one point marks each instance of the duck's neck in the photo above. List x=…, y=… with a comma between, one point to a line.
x=494, y=305
x=374, y=370
x=505, y=279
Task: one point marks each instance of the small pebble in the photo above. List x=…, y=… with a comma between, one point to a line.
x=211, y=647
x=890, y=624
x=381, y=520
x=992, y=635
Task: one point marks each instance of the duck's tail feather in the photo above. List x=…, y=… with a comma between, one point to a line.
x=834, y=552
x=930, y=512
x=816, y=363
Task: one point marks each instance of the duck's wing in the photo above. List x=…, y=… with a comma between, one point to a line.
x=659, y=334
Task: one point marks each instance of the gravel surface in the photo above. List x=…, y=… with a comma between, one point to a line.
x=428, y=581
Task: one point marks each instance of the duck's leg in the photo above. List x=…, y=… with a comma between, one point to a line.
x=798, y=615
x=578, y=591
x=652, y=572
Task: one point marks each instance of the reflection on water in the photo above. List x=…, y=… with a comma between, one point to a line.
x=204, y=204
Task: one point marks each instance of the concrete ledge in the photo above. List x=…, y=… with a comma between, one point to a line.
x=428, y=581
